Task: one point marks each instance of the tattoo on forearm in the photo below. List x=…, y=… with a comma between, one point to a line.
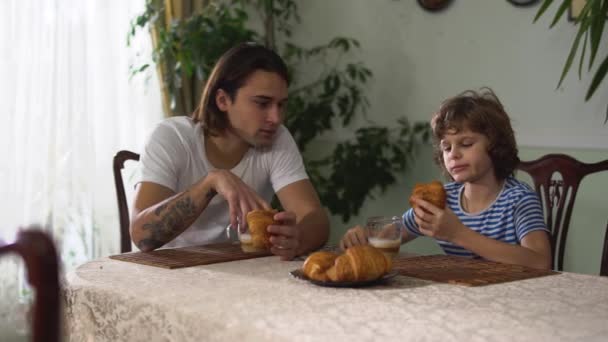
x=160, y=209
x=149, y=244
x=171, y=222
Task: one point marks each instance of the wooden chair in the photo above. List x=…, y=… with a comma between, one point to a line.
x=604, y=265
x=558, y=196
x=40, y=257
x=123, y=210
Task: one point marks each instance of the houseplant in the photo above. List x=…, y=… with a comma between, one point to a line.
x=590, y=22
x=326, y=92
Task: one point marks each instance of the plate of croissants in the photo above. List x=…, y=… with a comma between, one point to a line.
x=358, y=266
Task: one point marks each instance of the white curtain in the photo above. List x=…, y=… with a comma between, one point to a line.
x=67, y=106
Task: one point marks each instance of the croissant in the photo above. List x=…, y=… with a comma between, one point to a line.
x=431, y=192
x=317, y=264
x=258, y=221
x=358, y=263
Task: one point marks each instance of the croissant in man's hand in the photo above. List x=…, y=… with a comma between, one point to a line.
x=258, y=222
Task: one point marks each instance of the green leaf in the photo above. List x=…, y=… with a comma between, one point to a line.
x=582, y=59
x=597, y=28
x=331, y=85
x=586, y=11
x=341, y=43
x=352, y=71
x=542, y=9
x=560, y=12
x=597, y=79
x=573, y=50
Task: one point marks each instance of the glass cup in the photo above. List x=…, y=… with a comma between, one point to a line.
x=243, y=237
x=384, y=233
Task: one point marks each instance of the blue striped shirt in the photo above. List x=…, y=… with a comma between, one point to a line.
x=516, y=212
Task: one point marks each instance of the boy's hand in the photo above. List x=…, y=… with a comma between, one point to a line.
x=353, y=237
x=438, y=223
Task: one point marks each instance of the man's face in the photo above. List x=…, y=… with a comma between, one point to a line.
x=256, y=111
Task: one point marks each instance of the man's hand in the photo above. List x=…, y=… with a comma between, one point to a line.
x=285, y=236
x=304, y=222
x=435, y=222
x=240, y=197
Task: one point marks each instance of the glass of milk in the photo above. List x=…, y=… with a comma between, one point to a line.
x=384, y=233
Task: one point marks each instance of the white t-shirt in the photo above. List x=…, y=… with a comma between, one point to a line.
x=174, y=156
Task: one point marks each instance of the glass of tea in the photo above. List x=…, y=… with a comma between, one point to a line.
x=384, y=233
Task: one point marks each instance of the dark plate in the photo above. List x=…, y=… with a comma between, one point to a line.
x=300, y=275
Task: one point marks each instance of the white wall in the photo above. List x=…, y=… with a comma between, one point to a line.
x=420, y=58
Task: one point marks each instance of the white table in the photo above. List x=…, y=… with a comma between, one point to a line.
x=257, y=300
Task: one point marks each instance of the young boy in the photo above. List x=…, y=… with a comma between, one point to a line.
x=489, y=213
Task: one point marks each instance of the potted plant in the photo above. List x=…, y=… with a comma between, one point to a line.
x=326, y=92
x=590, y=20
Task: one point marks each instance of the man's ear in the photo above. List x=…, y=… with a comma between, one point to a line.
x=222, y=100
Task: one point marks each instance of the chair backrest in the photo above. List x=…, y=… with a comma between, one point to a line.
x=604, y=265
x=38, y=252
x=558, y=195
x=123, y=209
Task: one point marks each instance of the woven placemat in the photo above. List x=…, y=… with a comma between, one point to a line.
x=463, y=271
x=191, y=256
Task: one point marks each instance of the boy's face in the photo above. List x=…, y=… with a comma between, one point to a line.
x=257, y=109
x=465, y=155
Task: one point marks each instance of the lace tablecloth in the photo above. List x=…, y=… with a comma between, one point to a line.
x=257, y=300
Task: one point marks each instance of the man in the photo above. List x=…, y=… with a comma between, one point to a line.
x=201, y=173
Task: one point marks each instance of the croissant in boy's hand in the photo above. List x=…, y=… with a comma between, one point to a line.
x=358, y=263
x=433, y=193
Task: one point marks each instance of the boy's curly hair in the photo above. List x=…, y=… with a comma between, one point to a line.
x=480, y=112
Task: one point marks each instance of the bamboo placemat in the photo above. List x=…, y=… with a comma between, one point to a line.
x=190, y=256
x=463, y=271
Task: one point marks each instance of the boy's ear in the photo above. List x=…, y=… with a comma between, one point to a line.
x=222, y=100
